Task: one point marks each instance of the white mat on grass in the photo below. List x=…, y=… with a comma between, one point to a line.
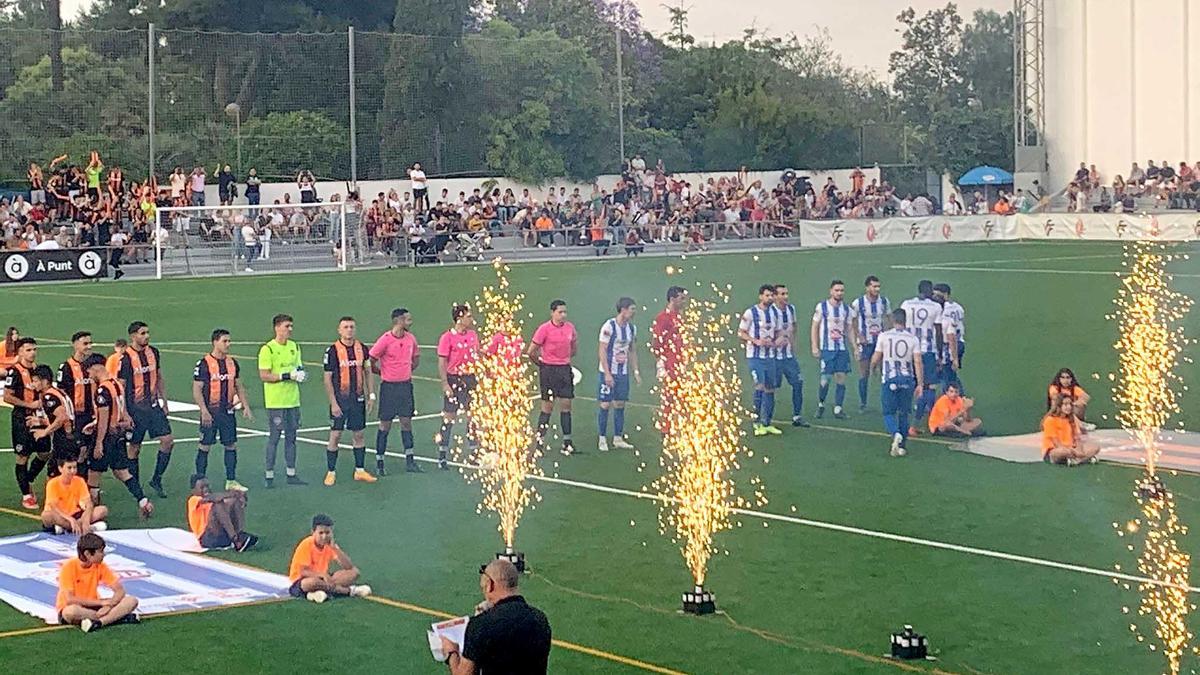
x=1180, y=449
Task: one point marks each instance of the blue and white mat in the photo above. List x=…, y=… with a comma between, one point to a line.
x=160, y=567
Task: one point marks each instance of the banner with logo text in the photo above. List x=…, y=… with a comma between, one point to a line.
x=52, y=265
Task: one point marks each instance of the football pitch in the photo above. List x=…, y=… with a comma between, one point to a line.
x=1002, y=565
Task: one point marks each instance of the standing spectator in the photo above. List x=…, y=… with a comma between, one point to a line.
x=253, y=191
x=37, y=184
x=953, y=207
x=308, y=187
x=420, y=187
x=178, y=185
x=116, y=249
x=226, y=185
x=196, y=184
x=250, y=241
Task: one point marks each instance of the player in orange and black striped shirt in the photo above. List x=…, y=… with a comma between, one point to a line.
x=351, y=391
x=19, y=393
x=218, y=391
x=79, y=388
x=146, y=400
x=112, y=422
x=55, y=422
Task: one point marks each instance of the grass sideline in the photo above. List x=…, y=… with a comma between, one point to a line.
x=797, y=597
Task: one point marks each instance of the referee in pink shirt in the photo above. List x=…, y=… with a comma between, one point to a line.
x=554, y=344
x=395, y=355
x=456, y=350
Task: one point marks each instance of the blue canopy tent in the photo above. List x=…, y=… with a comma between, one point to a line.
x=986, y=176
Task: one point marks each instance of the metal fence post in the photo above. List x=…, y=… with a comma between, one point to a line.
x=150, y=98
x=342, y=264
x=353, y=125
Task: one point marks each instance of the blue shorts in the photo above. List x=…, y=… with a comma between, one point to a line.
x=762, y=371
x=896, y=396
x=834, y=362
x=788, y=369
x=618, y=392
x=929, y=367
x=866, y=351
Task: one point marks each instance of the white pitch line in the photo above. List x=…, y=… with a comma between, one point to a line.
x=1094, y=256
x=835, y=527
x=1020, y=270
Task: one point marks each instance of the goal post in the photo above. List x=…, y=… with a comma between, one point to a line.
x=243, y=239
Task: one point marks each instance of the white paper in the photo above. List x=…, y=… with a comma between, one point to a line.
x=454, y=630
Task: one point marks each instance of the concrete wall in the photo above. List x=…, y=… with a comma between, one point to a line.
x=368, y=189
x=1122, y=84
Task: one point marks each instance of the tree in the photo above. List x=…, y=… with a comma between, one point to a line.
x=928, y=66
x=678, y=35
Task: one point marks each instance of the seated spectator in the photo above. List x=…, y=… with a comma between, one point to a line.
x=634, y=244
x=951, y=415
x=309, y=569
x=1002, y=207
x=507, y=635
x=600, y=237
x=1105, y=204
x=79, y=582
x=1064, y=384
x=1062, y=439
x=218, y=519
x=544, y=225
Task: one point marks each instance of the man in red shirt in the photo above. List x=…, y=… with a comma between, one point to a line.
x=456, y=352
x=554, y=344
x=666, y=343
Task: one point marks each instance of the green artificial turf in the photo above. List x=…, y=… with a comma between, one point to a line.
x=797, y=598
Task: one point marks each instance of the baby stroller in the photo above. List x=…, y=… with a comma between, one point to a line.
x=467, y=246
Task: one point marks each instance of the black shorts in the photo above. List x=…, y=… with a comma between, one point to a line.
x=215, y=539
x=148, y=422
x=462, y=386
x=114, y=457
x=556, y=382
x=354, y=415
x=63, y=445
x=22, y=439
x=294, y=590
x=395, y=400
x=224, y=426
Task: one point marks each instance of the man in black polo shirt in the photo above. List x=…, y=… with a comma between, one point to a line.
x=507, y=636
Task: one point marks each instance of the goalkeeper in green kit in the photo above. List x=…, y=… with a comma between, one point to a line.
x=281, y=371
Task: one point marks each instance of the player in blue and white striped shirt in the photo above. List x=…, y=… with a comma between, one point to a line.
x=831, y=335
x=923, y=317
x=786, y=365
x=954, y=343
x=617, y=358
x=896, y=354
x=871, y=312
x=758, y=329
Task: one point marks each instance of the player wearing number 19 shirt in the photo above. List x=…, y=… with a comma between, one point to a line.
x=872, y=315
x=923, y=318
x=758, y=329
x=897, y=355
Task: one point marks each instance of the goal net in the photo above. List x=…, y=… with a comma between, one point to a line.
x=245, y=239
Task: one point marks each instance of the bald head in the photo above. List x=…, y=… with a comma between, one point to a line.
x=504, y=574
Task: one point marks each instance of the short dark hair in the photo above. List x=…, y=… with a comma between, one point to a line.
x=871, y=279
x=24, y=341
x=836, y=282
x=281, y=318
x=765, y=288
x=196, y=478
x=120, y=342
x=925, y=286
x=93, y=360
x=942, y=288
x=218, y=334
x=624, y=303
x=900, y=317
x=79, y=335
x=675, y=291
x=88, y=543
x=779, y=286
x=346, y=318
x=555, y=304
x=42, y=372
x=136, y=326
x=321, y=520
x=952, y=385
x=399, y=312
x=459, y=311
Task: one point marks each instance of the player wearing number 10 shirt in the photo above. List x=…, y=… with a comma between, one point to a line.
x=897, y=355
x=923, y=317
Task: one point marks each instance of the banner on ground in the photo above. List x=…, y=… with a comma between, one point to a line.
x=51, y=265
x=153, y=566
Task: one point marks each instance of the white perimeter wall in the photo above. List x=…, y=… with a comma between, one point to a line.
x=1122, y=84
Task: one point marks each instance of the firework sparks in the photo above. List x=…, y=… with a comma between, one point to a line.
x=500, y=411
x=701, y=417
x=1149, y=315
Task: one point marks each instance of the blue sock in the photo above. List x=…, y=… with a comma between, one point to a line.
x=903, y=424
x=797, y=399
x=862, y=390
x=891, y=424
x=768, y=412
x=823, y=390
x=758, y=401
x=619, y=422
x=839, y=394
x=602, y=422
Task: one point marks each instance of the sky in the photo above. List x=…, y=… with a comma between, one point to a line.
x=863, y=31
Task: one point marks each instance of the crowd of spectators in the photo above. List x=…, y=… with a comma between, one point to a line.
x=1163, y=185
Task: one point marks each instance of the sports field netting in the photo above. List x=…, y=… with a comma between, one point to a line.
x=1005, y=566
